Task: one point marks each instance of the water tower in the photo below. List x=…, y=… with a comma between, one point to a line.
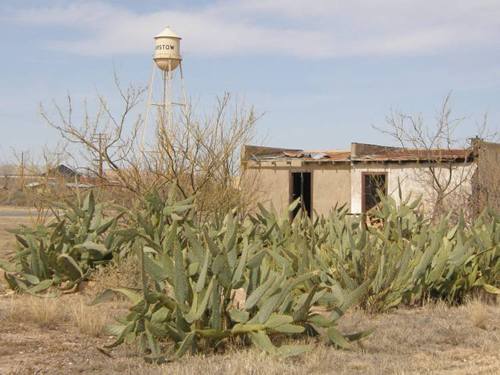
x=167, y=61
x=167, y=50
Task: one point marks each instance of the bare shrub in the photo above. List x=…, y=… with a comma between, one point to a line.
x=200, y=155
x=104, y=139
x=446, y=171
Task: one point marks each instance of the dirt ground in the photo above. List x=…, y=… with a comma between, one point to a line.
x=63, y=336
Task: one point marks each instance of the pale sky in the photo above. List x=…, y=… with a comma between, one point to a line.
x=323, y=72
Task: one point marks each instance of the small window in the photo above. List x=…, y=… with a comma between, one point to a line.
x=373, y=184
x=301, y=188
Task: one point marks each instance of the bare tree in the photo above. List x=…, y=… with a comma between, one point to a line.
x=7, y=170
x=446, y=160
x=106, y=139
x=200, y=156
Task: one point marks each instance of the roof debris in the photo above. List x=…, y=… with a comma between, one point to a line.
x=359, y=153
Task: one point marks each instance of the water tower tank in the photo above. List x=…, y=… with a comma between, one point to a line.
x=167, y=50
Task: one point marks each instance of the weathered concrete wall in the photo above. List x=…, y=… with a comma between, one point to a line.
x=339, y=184
x=487, y=180
x=331, y=186
x=270, y=186
x=413, y=178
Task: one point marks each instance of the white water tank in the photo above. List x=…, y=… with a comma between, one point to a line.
x=167, y=50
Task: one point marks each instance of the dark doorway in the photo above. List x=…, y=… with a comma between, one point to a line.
x=372, y=184
x=301, y=188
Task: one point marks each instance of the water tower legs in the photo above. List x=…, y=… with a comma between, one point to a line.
x=164, y=121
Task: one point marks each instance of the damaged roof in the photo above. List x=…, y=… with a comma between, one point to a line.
x=359, y=153
x=419, y=155
x=318, y=155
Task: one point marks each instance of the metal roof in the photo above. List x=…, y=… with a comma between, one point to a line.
x=418, y=155
x=319, y=155
x=375, y=154
x=62, y=170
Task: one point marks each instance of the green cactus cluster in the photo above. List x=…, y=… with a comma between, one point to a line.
x=65, y=251
x=262, y=278
x=409, y=259
x=206, y=285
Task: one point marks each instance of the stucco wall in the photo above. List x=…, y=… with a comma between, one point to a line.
x=269, y=186
x=341, y=184
x=331, y=186
x=413, y=179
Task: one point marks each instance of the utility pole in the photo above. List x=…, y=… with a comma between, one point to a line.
x=101, y=172
x=100, y=138
x=22, y=170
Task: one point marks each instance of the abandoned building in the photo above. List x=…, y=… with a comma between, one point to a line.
x=327, y=179
x=62, y=171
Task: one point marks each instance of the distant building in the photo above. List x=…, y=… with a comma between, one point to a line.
x=59, y=177
x=326, y=179
x=62, y=171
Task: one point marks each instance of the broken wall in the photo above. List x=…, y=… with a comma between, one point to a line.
x=414, y=180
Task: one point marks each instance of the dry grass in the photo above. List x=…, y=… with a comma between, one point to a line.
x=54, y=313
x=120, y=273
x=44, y=312
x=434, y=339
x=479, y=314
x=7, y=240
x=89, y=320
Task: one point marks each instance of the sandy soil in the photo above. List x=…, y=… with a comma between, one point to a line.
x=63, y=336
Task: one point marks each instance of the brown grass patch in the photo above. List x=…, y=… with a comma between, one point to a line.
x=7, y=239
x=434, y=339
x=90, y=320
x=44, y=312
x=121, y=273
x=479, y=314
x=53, y=313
